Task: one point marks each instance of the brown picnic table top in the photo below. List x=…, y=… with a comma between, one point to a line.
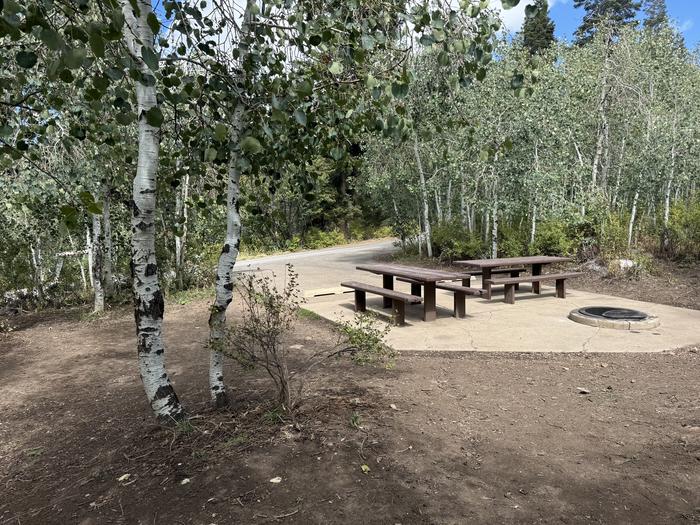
x=412, y=272
x=536, y=262
x=427, y=276
x=513, y=261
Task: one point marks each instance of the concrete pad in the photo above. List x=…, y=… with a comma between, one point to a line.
x=535, y=323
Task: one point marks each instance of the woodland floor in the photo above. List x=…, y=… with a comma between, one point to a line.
x=466, y=438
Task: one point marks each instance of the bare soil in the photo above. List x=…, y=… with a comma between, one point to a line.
x=466, y=438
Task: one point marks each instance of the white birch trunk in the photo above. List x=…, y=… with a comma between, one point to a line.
x=464, y=213
x=38, y=267
x=533, y=225
x=424, y=198
x=633, y=217
x=181, y=240
x=448, y=204
x=665, y=235
x=88, y=244
x=225, y=278
x=148, y=297
x=97, y=268
x=80, y=262
x=107, y=251
x=494, y=228
x=438, y=206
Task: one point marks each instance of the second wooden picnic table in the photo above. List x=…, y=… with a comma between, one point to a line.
x=426, y=276
x=536, y=262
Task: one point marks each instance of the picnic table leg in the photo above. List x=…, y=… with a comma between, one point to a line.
x=561, y=288
x=429, y=310
x=485, y=275
x=388, y=283
x=415, y=289
x=516, y=274
x=460, y=305
x=360, y=301
x=536, y=270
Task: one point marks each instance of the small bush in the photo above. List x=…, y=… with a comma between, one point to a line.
x=316, y=238
x=684, y=230
x=365, y=340
x=451, y=240
x=258, y=338
x=553, y=238
x=511, y=243
x=613, y=239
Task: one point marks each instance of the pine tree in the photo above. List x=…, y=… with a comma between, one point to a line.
x=538, y=29
x=617, y=13
x=656, y=15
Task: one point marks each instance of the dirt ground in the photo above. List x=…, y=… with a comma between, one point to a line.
x=466, y=438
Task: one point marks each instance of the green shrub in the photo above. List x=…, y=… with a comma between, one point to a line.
x=451, y=240
x=553, y=238
x=684, y=230
x=316, y=238
x=511, y=243
x=360, y=231
x=613, y=238
x=365, y=340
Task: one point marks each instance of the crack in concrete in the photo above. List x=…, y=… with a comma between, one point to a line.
x=587, y=341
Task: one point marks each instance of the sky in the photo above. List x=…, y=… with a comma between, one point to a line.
x=685, y=14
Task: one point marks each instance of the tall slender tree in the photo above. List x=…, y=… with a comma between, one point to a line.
x=617, y=13
x=656, y=14
x=538, y=29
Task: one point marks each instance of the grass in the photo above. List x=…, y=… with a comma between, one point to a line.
x=309, y=315
x=183, y=297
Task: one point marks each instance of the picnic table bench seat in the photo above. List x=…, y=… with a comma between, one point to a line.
x=398, y=299
x=460, y=293
x=511, y=282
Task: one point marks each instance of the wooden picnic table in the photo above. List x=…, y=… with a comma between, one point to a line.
x=536, y=262
x=426, y=276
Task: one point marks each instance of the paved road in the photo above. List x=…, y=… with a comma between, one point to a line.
x=324, y=268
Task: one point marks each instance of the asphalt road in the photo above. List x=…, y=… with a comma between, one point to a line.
x=324, y=268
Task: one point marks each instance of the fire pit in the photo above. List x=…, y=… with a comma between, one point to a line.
x=614, y=317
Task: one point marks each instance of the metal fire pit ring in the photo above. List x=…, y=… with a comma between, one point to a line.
x=614, y=317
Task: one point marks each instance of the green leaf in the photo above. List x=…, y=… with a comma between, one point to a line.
x=73, y=57
x=509, y=4
x=300, y=117
x=154, y=117
x=26, y=59
x=315, y=40
x=51, y=38
x=517, y=81
x=250, y=145
x=304, y=88
x=150, y=57
x=153, y=22
x=337, y=153
x=336, y=68
x=89, y=202
x=220, y=132
x=210, y=155
x=399, y=89
x=97, y=44
x=368, y=42
x=125, y=118
x=70, y=216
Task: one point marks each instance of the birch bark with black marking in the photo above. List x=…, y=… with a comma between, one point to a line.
x=97, y=265
x=148, y=298
x=225, y=278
